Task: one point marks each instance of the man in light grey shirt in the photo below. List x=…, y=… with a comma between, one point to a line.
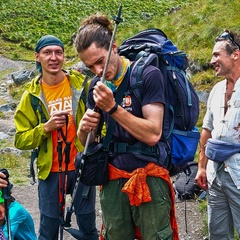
x=222, y=122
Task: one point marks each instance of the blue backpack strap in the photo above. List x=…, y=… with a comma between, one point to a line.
x=172, y=68
x=171, y=124
x=144, y=59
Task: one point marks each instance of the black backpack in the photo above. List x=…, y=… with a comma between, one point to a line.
x=152, y=47
x=185, y=186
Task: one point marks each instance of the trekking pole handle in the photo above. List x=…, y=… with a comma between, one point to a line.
x=59, y=150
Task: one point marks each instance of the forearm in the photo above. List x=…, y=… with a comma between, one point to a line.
x=201, y=176
x=88, y=126
x=82, y=136
x=202, y=161
x=145, y=129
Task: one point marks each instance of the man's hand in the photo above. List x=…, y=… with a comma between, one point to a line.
x=201, y=178
x=3, y=181
x=89, y=121
x=103, y=97
x=56, y=121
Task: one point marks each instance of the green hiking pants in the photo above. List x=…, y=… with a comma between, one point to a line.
x=152, y=218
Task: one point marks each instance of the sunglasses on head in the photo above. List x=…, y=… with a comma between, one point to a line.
x=227, y=36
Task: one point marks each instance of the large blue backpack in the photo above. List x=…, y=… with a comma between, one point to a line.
x=153, y=47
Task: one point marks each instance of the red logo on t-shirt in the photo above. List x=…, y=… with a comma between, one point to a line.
x=127, y=101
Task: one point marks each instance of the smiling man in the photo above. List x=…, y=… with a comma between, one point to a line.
x=221, y=122
x=51, y=128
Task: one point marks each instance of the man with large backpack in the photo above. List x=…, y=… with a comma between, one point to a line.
x=139, y=191
x=50, y=125
x=180, y=136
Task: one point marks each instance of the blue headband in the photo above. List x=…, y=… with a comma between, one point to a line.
x=44, y=41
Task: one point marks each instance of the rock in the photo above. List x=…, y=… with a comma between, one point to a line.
x=3, y=135
x=10, y=150
x=11, y=131
x=22, y=76
x=146, y=16
x=8, y=107
x=80, y=66
x=203, y=96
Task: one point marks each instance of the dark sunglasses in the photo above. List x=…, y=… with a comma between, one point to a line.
x=227, y=36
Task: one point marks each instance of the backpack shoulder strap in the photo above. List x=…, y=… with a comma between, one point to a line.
x=34, y=102
x=83, y=93
x=143, y=60
x=34, y=153
x=36, y=106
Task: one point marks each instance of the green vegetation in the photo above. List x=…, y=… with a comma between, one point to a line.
x=16, y=92
x=191, y=24
x=24, y=22
x=202, y=207
x=18, y=166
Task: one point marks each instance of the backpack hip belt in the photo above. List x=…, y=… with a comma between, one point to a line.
x=137, y=148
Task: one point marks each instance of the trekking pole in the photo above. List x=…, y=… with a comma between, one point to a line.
x=6, y=196
x=34, y=155
x=63, y=181
x=117, y=20
x=8, y=219
x=61, y=211
x=67, y=161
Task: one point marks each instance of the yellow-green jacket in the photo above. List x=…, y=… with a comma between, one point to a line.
x=29, y=128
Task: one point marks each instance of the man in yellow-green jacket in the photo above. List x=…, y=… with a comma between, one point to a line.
x=47, y=118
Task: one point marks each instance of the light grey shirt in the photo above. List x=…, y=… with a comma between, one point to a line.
x=224, y=127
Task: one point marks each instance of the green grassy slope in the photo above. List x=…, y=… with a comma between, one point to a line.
x=191, y=24
x=24, y=22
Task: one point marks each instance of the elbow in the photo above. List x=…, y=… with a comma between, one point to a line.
x=23, y=143
x=19, y=146
x=17, y=143
x=152, y=141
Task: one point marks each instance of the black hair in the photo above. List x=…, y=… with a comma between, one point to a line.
x=232, y=40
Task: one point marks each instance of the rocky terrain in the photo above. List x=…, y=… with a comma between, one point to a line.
x=27, y=194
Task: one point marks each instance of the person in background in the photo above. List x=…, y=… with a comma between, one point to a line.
x=15, y=220
x=221, y=122
x=52, y=129
x=136, y=122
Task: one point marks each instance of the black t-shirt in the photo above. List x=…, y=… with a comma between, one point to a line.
x=152, y=91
